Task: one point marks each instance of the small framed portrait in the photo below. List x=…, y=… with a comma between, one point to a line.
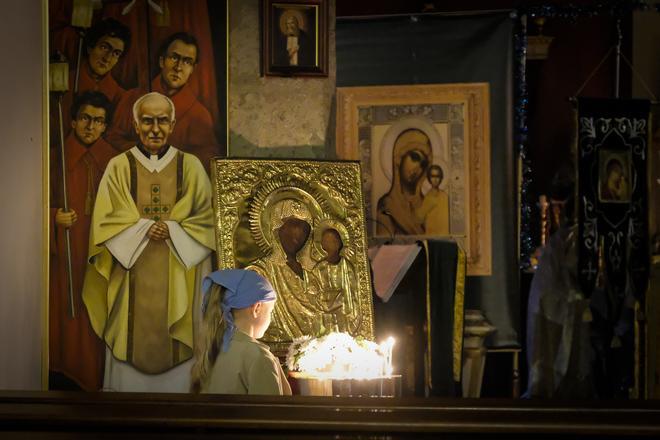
x=614, y=176
x=294, y=38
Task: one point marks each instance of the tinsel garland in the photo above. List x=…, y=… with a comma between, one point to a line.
x=520, y=123
x=614, y=8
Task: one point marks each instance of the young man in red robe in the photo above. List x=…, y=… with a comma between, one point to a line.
x=178, y=56
x=105, y=43
x=74, y=349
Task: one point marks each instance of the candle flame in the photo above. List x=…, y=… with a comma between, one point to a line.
x=340, y=356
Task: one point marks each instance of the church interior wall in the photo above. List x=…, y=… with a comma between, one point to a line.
x=273, y=116
x=646, y=46
x=298, y=122
x=22, y=232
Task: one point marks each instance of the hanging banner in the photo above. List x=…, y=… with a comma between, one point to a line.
x=612, y=189
x=613, y=231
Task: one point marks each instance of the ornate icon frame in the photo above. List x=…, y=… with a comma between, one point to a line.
x=313, y=11
x=361, y=109
x=242, y=191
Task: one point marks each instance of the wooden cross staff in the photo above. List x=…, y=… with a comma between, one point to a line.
x=59, y=83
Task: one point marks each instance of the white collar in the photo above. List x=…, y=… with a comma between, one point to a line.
x=153, y=163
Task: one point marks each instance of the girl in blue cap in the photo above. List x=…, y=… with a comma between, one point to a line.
x=237, y=310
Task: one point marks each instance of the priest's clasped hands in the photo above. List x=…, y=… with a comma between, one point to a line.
x=159, y=231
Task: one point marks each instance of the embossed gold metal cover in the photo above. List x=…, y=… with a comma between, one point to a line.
x=301, y=225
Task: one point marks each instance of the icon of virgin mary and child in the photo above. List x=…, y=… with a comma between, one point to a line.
x=405, y=209
x=306, y=257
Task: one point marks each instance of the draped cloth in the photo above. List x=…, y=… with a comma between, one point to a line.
x=445, y=299
x=558, y=331
x=426, y=316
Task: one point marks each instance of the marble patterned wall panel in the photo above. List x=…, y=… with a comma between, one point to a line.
x=274, y=116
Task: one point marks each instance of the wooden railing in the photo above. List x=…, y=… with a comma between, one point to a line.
x=89, y=415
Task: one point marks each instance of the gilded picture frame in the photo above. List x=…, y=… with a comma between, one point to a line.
x=402, y=135
x=294, y=38
x=301, y=224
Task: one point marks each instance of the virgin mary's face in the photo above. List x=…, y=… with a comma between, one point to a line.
x=413, y=166
x=293, y=235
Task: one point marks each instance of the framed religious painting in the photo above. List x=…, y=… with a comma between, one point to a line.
x=301, y=225
x=614, y=176
x=294, y=38
x=425, y=155
x=118, y=69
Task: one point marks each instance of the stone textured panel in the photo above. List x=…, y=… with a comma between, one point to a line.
x=271, y=112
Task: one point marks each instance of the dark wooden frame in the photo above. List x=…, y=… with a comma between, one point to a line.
x=268, y=67
x=111, y=415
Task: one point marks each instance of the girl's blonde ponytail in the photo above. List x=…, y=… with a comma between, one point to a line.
x=213, y=327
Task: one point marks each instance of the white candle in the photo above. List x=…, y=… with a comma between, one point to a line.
x=386, y=349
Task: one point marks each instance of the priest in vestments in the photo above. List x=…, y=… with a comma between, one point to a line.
x=74, y=349
x=150, y=245
x=195, y=132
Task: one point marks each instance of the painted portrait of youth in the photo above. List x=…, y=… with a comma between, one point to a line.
x=300, y=225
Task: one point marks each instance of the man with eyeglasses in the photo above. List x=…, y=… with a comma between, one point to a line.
x=105, y=43
x=178, y=57
x=75, y=350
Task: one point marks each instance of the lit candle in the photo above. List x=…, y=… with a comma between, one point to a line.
x=386, y=349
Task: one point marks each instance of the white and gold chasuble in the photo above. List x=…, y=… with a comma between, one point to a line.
x=140, y=292
x=150, y=348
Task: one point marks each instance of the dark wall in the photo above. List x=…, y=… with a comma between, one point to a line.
x=435, y=49
x=579, y=46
